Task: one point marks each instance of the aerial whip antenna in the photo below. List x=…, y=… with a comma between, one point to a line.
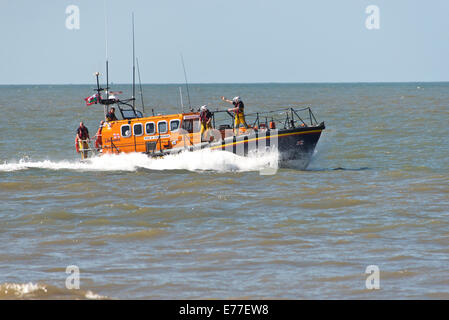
x=140, y=85
x=187, y=84
x=180, y=96
x=134, y=69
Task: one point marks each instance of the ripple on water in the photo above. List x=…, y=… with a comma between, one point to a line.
x=140, y=235
x=332, y=203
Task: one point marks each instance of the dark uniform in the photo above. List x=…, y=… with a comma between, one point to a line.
x=83, y=137
x=205, y=116
x=82, y=133
x=111, y=116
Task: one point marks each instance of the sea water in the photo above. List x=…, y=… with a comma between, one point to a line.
x=209, y=224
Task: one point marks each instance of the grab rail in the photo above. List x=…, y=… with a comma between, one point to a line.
x=288, y=117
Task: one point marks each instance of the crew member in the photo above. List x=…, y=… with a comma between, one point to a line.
x=239, y=116
x=111, y=115
x=82, y=139
x=98, y=141
x=206, y=119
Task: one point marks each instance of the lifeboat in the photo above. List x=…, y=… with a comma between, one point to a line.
x=293, y=132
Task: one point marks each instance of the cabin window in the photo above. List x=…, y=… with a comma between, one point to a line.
x=191, y=125
x=150, y=128
x=187, y=125
x=162, y=127
x=125, y=130
x=174, y=125
x=138, y=129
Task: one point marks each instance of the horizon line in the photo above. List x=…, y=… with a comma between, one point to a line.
x=225, y=83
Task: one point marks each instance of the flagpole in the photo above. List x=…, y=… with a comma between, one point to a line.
x=98, y=82
x=98, y=92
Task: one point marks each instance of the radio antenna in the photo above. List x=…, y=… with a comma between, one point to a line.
x=134, y=69
x=140, y=85
x=180, y=96
x=187, y=84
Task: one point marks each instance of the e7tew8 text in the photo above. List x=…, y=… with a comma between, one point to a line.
x=228, y=309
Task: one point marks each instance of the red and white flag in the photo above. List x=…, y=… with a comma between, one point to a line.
x=92, y=99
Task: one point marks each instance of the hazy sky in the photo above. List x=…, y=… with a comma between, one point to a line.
x=225, y=41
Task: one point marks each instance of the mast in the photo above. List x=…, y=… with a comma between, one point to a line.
x=98, y=83
x=107, y=62
x=107, y=89
x=98, y=100
x=107, y=80
x=134, y=69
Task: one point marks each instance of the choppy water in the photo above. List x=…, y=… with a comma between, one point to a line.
x=209, y=225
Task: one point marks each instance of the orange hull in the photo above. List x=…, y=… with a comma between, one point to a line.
x=151, y=134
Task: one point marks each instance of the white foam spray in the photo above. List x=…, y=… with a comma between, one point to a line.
x=202, y=160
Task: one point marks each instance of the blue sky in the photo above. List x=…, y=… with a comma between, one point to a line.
x=225, y=41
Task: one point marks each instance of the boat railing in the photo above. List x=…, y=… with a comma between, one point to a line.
x=90, y=149
x=286, y=117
